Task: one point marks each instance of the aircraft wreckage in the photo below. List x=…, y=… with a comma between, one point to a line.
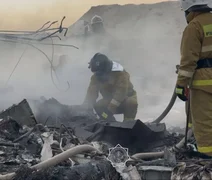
x=44, y=139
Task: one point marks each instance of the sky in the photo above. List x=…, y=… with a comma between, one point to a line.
x=31, y=14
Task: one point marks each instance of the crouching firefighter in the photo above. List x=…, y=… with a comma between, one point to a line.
x=113, y=83
x=195, y=72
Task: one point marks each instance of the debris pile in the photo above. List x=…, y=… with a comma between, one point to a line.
x=45, y=138
x=16, y=148
x=95, y=170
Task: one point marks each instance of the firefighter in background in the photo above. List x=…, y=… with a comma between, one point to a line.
x=195, y=72
x=97, y=25
x=98, y=39
x=113, y=83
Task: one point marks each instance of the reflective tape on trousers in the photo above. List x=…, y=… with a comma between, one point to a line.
x=202, y=82
x=189, y=125
x=206, y=149
x=104, y=115
x=116, y=103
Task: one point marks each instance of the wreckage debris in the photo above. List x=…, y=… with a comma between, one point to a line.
x=92, y=170
x=201, y=170
x=36, y=138
x=12, y=155
x=84, y=125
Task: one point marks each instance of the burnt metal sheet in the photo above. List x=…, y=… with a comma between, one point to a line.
x=52, y=113
x=132, y=134
x=21, y=112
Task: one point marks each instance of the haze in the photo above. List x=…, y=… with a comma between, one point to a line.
x=134, y=39
x=25, y=14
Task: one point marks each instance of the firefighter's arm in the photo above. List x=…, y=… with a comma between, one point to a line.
x=190, y=53
x=121, y=89
x=92, y=92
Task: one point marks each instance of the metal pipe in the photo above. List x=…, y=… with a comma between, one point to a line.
x=161, y=154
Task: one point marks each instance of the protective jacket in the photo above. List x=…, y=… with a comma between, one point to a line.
x=196, y=46
x=116, y=89
x=196, y=71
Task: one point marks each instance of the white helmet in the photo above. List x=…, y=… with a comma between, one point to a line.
x=186, y=4
x=96, y=19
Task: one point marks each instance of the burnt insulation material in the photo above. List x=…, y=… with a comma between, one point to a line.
x=89, y=171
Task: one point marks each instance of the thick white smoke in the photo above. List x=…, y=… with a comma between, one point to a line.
x=145, y=39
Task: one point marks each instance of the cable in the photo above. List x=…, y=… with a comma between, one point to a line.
x=15, y=66
x=55, y=70
x=65, y=45
x=19, y=61
x=42, y=53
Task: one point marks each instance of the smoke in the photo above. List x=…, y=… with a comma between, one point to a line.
x=145, y=39
x=30, y=14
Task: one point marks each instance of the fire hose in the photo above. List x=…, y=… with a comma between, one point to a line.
x=168, y=108
x=170, y=105
x=56, y=159
x=182, y=143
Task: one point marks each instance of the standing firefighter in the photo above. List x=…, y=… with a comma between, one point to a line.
x=195, y=70
x=113, y=83
x=97, y=25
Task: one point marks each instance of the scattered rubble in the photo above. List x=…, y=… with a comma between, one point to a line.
x=38, y=141
x=92, y=170
x=135, y=135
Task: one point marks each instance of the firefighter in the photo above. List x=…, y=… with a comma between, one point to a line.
x=113, y=83
x=97, y=25
x=195, y=72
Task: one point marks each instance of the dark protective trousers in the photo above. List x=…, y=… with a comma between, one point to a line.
x=128, y=107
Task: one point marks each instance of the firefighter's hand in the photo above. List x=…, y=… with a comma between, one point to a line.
x=182, y=92
x=112, y=108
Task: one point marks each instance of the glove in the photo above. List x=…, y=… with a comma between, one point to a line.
x=107, y=115
x=182, y=92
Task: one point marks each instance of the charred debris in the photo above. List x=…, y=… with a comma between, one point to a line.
x=44, y=139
